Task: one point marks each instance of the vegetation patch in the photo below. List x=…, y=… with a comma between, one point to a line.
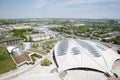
x=115, y=40
x=35, y=46
x=46, y=62
x=34, y=56
x=48, y=45
x=22, y=32
x=2, y=57
x=6, y=62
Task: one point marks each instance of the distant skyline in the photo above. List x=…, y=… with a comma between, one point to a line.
x=95, y=9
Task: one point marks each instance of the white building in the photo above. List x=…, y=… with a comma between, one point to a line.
x=27, y=45
x=21, y=26
x=83, y=60
x=42, y=36
x=40, y=29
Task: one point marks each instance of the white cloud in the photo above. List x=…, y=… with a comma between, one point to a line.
x=64, y=3
x=41, y=3
x=75, y=2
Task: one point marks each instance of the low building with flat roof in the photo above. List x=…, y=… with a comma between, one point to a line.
x=10, y=41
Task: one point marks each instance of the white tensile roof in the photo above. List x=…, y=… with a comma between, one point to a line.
x=10, y=48
x=83, y=53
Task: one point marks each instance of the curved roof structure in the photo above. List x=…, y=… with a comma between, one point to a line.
x=83, y=54
x=10, y=48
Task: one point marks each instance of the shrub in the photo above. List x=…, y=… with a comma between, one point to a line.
x=46, y=62
x=34, y=56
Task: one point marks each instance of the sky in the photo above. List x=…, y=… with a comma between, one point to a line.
x=60, y=9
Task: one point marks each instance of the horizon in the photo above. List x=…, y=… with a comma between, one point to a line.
x=61, y=18
x=86, y=9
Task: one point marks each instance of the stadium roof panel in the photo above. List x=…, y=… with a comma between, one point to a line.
x=63, y=47
x=75, y=51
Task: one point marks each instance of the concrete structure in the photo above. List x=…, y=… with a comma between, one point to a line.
x=10, y=41
x=27, y=45
x=83, y=59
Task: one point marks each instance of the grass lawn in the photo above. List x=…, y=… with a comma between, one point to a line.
x=6, y=62
x=2, y=57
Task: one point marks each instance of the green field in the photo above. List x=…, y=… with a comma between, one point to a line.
x=2, y=57
x=6, y=62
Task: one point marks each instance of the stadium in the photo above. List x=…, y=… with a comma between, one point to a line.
x=77, y=59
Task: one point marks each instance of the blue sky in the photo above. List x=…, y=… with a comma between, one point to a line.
x=60, y=9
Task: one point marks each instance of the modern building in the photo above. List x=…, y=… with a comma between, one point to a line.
x=19, y=56
x=42, y=36
x=45, y=33
x=10, y=41
x=83, y=60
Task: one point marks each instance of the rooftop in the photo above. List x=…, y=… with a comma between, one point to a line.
x=76, y=53
x=22, y=58
x=9, y=38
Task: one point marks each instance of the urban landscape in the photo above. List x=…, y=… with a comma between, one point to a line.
x=59, y=48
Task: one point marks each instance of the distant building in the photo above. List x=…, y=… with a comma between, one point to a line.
x=10, y=41
x=45, y=33
x=79, y=24
x=37, y=37
x=112, y=22
x=18, y=26
x=111, y=35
